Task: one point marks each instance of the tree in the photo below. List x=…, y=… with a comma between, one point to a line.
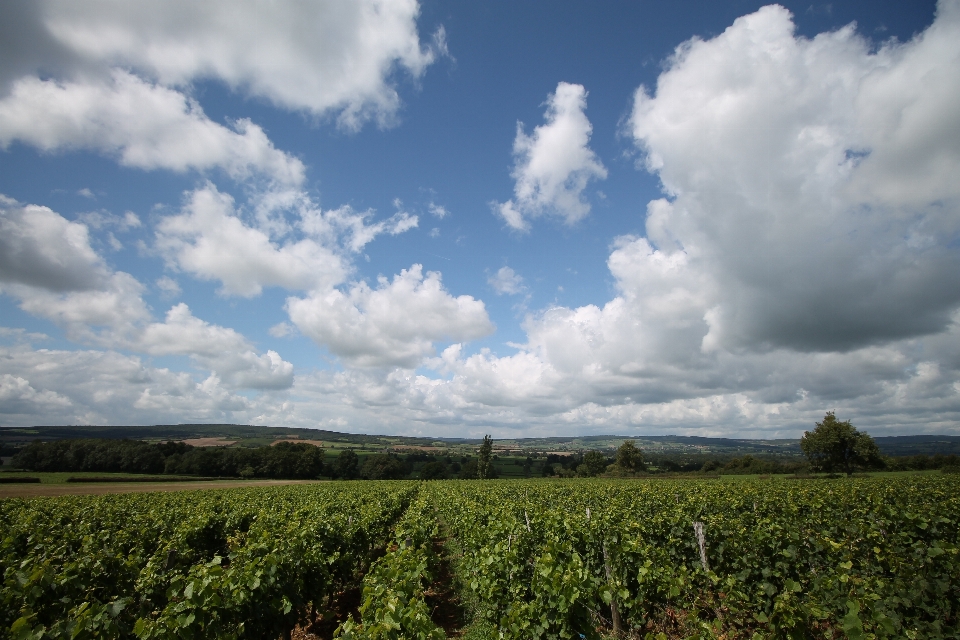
x=838, y=446
x=630, y=458
x=434, y=471
x=469, y=470
x=485, y=464
x=384, y=466
x=594, y=463
x=347, y=465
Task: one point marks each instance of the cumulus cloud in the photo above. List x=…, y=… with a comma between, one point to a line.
x=335, y=56
x=787, y=162
x=210, y=239
x=797, y=264
x=218, y=349
x=792, y=266
x=106, y=387
x=47, y=263
x=395, y=324
x=17, y=396
x=506, y=281
x=143, y=125
x=116, y=78
x=40, y=248
x=554, y=164
x=100, y=316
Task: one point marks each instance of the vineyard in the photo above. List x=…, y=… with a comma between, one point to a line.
x=845, y=558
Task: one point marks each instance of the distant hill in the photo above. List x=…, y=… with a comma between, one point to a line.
x=249, y=435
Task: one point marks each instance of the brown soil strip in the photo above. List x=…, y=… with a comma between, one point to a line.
x=44, y=490
x=342, y=605
x=446, y=609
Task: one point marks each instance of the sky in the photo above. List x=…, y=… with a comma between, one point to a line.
x=461, y=218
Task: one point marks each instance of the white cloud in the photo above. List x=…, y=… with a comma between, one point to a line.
x=221, y=350
x=116, y=78
x=335, y=56
x=98, y=316
x=17, y=396
x=395, y=324
x=438, y=210
x=788, y=165
x=282, y=330
x=209, y=240
x=48, y=265
x=169, y=287
x=40, y=248
x=799, y=263
x=106, y=387
x=345, y=221
x=506, y=281
x=554, y=164
x=103, y=219
x=143, y=125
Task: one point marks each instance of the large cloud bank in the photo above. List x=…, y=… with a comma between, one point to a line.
x=803, y=256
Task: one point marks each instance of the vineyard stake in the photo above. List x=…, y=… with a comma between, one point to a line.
x=702, y=543
x=614, y=610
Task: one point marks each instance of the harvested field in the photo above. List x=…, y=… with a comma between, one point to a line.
x=208, y=442
x=47, y=490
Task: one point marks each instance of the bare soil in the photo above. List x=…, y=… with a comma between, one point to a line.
x=208, y=442
x=46, y=490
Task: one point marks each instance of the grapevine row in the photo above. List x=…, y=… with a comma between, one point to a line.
x=212, y=564
x=831, y=559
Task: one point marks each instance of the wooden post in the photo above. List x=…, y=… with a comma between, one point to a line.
x=614, y=610
x=702, y=544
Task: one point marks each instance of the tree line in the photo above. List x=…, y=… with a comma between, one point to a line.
x=834, y=446
x=289, y=460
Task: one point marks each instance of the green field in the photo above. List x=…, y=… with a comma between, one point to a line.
x=844, y=558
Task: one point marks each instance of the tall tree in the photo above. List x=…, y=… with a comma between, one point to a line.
x=630, y=458
x=485, y=464
x=838, y=446
x=594, y=463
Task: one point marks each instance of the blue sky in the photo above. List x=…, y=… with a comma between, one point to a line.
x=461, y=218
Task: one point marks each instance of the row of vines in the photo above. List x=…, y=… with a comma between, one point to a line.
x=240, y=563
x=852, y=558
x=861, y=558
